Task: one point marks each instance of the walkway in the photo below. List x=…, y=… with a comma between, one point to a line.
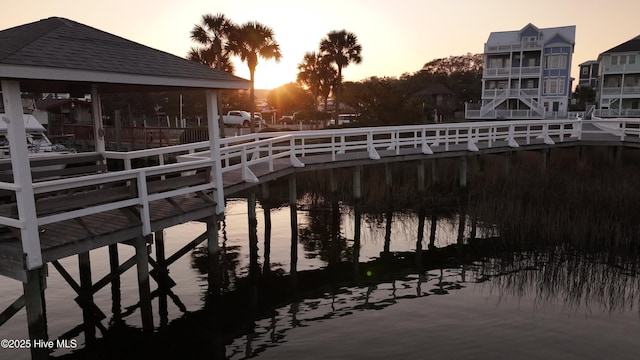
x=80, y=213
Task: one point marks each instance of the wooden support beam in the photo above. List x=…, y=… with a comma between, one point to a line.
x=36, y=317
x=463, y=171
x=21, y=170
x=357, y=187
x=144, y=290
x=12, y=310
x=421, y=176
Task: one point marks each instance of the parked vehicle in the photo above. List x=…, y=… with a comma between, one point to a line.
x=344, y=119
x=311, y=116
x=237, y=118
x=286, y=120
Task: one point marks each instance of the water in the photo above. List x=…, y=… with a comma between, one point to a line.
x=527, y=306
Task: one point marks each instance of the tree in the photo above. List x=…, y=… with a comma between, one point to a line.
x=212, y=37
x=289, y=98
x=317, y=74
x=341, y=48
x=250, y=42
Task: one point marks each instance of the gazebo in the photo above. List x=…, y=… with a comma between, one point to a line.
x=58, y=55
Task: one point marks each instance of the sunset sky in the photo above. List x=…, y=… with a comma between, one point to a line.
x=396, y=36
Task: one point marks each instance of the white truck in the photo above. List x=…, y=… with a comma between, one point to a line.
x=237, y=118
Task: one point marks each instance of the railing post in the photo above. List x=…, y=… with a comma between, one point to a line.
x=144, y=203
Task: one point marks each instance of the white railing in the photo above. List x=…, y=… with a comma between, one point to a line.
x=625, y=113
x=619, y=127
x=242, y=152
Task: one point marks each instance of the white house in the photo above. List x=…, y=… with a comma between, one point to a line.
x=526, y=74
x=618, y=92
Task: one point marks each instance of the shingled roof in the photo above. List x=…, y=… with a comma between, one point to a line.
x=61, y=49
x=628, y=46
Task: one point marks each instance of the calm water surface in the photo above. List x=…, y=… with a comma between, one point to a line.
x=530, y=308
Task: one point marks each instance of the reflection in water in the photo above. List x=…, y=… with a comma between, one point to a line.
x=347, y=261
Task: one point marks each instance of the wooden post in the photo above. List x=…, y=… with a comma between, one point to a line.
x=96, y=113
x=213, y=249
x=34, y=303
x=116, y=296
x=142, y=265
x=421, y=176
x=293, y=199
x=434, y=171
x=333, y=182
x=214, y=146
x=21, y=169
x=545, y=155
x=508, y=160
x=463, y=171
x=162, y=273
x=388, y=175
x=86, y=296
x=357, y=189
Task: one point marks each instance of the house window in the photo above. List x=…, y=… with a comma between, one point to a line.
x=614, y=60
x=555, y=61
x=632, y=59
x=553, y=86
x=585, y=70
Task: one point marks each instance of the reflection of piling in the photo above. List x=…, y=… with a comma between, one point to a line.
x=421, y=220
x=254, y=268
x=293, y=198
x=86, y=296
x=357, y=213
x=266, y=208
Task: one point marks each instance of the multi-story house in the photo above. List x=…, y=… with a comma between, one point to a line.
x=618, y=92
x=526, y=74
x=588, y=74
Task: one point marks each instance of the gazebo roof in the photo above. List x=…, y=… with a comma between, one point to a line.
x=54, y=50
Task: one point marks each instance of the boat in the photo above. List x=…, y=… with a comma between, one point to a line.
x=38, y=144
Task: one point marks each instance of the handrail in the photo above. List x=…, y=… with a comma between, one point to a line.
x=242, y=152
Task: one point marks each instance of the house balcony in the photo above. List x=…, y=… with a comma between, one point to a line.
x=531, y=71
x=620, y=69
x=501, y=48
x=510, y=93
x=625, y=90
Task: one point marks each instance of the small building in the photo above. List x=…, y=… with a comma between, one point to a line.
x=54, y=111
x=588, y=74
x=438, y=102
x=618, y=92
x=526, y=74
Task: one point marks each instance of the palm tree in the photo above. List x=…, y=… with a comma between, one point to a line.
x=250, y=42
x=341, y=48
x=317, y=74
x=212, y=38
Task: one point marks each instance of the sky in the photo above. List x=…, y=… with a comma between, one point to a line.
x=397, y=36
